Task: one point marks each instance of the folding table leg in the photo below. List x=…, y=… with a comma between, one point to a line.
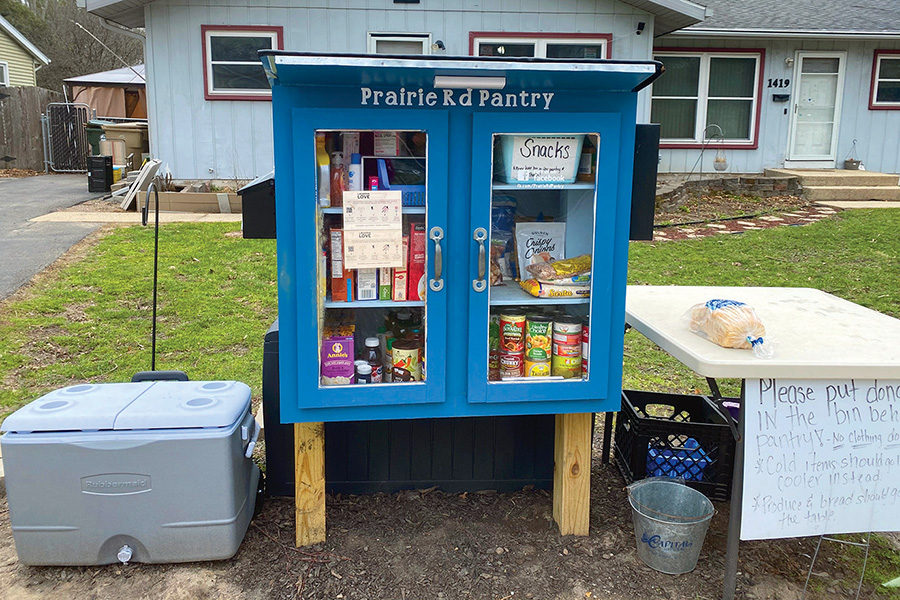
x=734, y=519
x=309, y=477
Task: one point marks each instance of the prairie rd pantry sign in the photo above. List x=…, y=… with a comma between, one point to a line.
x=454, y=97
x=822, y=457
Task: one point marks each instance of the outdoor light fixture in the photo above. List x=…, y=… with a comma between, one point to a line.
x=474, y=83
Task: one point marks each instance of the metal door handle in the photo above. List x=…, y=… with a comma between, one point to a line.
x=437, y=284
x=480, y=236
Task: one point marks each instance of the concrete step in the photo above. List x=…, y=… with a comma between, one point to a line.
x=816, y=193
x=836, y=177
x=119, y=185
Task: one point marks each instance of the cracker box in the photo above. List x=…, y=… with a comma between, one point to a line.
x=342, y=280
x=416, y=265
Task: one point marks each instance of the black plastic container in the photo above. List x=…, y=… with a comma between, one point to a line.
x=258, y=208
x=456, y=455
x=100, y=174
x=643, y=187
x=660, y=444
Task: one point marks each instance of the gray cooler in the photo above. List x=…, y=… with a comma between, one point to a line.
x=147, y=472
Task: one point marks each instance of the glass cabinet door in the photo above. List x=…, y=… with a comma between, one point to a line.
x=379, y=302
x=544, y=202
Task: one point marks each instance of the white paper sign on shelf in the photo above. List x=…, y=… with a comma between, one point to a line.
x=373, y=229
x=821, y=457
x=376, y=209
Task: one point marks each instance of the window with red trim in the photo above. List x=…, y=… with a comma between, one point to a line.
x=886, y=80
x=232, y=69
x=562, y=46
x=707, y=95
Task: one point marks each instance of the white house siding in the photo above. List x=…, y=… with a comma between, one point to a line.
x=877, y=131
x=201, y=139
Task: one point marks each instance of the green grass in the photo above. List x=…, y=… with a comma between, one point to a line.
x=92, y=321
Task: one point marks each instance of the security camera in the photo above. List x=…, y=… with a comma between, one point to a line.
x=640, y=28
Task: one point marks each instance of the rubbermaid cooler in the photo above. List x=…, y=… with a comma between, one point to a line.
x=146, y=472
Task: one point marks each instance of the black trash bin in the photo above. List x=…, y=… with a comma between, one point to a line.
x=100, y=174
x=457, y=455
x=258, y=208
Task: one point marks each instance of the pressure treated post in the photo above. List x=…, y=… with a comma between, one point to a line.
x=572, y=473
x=309, y=479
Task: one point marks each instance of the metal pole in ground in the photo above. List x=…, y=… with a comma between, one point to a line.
x=734, y=518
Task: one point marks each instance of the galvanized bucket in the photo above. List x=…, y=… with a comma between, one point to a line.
x=670, y=523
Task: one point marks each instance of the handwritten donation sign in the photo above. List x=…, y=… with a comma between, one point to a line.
x=373, y=229
x=821, y=457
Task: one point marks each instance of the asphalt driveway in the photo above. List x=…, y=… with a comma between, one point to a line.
x=26, y=248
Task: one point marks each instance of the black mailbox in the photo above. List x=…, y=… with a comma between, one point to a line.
x=643, y=187
x=258, y=206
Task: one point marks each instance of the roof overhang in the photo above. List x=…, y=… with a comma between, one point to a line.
x=23, y=41
x=783, y=33
x=670, y=15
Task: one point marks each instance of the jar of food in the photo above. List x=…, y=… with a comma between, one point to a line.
x=512, y=332
x=364, y=373
x=537, y=338
x=373, y=358
x=406, y=357
x=512, y=364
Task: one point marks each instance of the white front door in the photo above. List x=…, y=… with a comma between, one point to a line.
x=818, y=87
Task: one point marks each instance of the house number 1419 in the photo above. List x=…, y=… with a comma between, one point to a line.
x=779, y=83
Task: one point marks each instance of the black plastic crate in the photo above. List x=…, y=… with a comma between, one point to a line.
x=675, y=435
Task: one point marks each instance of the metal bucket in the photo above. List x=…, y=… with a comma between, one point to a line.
x=670, y=522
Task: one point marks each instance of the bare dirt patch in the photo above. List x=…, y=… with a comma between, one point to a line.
x=714, y=206
x=17, y=173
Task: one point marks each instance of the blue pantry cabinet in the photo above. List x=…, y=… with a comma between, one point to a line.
x=487, y=165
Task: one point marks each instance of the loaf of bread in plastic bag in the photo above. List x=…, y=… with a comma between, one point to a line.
x=728, y=323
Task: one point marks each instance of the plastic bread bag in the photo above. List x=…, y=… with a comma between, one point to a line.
x=543, y=290
x=730, y=324
x=559, y=269
x=583, y=279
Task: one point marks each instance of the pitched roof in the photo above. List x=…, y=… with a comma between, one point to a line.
x=670, y=14
x=124, y=76
x=849, y=17
x=23, y=41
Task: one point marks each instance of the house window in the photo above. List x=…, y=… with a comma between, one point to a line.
x=232, y=69
x=886, y=80
x=702, y=89
x=4, y=73
x=399, y=43
x=566, y=47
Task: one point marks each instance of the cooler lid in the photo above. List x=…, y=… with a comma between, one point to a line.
x=133, y=406
x=186, y=404
x=85, y=407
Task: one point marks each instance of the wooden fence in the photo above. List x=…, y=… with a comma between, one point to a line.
x=20, y=125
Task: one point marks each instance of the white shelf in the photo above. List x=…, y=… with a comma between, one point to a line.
x=373, y=304
x=542, y=186
x=407, y=210
x=510, y=294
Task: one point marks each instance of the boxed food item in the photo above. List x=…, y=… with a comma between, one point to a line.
x=539, y=243
x=337, y=360
x=385, y=279
x=387, y=143
x=416, y=264
x=367, y=284
x=341, y=279
x=400, y=274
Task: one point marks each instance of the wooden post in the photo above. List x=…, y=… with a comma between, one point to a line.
x=309, y=479
x=572, y=473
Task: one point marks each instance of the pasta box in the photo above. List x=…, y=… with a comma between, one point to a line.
x=152, y=472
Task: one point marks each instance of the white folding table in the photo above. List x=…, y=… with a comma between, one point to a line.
x=816, y=336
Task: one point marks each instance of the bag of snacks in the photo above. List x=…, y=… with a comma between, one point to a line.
x=583, y=279
x=545, y=290
x=730, y=324
x=559, y=269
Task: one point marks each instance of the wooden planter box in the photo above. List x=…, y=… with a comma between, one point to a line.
x=197, y=202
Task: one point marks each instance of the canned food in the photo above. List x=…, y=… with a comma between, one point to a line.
x=567, y=350
x=585, y=344
x=569, y=339
x=567, y=325
x=494, y=365
x=512, y=333
x=406, y=359
x=537, y=368
x=512, y=364
x=537, y=338
x=566, y=366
